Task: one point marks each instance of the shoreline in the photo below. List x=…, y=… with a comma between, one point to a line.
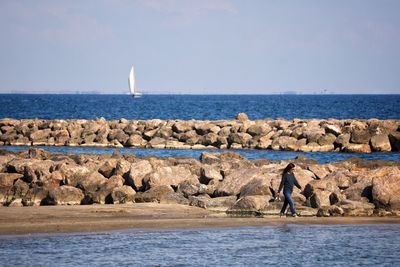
x=100, y=218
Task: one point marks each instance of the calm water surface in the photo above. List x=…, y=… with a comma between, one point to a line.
x=200, y=107
x=283, y=245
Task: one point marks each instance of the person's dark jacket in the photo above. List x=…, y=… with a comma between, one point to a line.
x=287, y=183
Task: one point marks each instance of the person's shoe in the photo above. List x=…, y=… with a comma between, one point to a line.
x=281, y=215
x=294, y=215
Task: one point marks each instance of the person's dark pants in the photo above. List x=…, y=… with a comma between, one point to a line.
x=288, y=200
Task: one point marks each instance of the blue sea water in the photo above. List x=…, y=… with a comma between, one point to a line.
x=200, y=107
x=203, y=107
x=280, y=245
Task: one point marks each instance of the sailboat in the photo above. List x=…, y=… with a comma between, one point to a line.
x=133, y=90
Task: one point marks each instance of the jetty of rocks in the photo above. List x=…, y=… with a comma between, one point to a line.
x=308, y=135
x=223, y=182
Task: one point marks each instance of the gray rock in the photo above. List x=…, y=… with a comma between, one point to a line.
x=123, y=194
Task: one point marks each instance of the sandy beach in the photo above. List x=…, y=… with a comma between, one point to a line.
x=93, y=218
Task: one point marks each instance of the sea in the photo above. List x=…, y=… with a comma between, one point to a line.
x=271, y=245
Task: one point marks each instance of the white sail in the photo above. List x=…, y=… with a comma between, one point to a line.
x=132, y=85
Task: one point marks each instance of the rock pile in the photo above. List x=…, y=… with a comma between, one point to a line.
x=309, y=135
x=225, y=182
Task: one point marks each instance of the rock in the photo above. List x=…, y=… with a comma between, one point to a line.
x=386, y=190
x=240, y=138
x=64, y=195
x=310, y=147
x=157, y=142
x=380, y=143
x=136, y=140
x=285, y=143
x=210, y=158
x=360, y=136
x=232, y=184
x=221, y=204
x=138, y=171
x=361, y=191
x=356, y=208
x=181, y=126
x=327, y=139
x=249, y=204
x=242, y=117
x=103, y=194
x=357, y=148
x=7, y=179
x=320, y=171
x=188, y=188
x=322, y=185
x=92, y=182
x=395, y=140
x=320, y=198
x=256, y=186
x=35, y=196
x=122, y=168
x=333, y=129
x=343, y=140
x=107, y=168
x=328, y=211
x=169, y=175
x=123, y=194
x=40, y=136
x=161, y=194
x=208, y=173
x=303, y=176
x=340, y=179
x=72, y=174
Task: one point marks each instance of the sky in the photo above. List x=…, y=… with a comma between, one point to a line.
x=200, y=46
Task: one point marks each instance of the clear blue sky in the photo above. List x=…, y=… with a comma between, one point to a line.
x=202, y=46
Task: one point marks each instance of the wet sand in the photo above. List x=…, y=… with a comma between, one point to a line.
x=92, y=218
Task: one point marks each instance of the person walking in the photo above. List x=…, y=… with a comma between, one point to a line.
x=287, y=183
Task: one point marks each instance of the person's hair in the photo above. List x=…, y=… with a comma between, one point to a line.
x=288, y=168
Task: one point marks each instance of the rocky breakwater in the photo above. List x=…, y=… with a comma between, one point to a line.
x=223, y=182
x=310, y=135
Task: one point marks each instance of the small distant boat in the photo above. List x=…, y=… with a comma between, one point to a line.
x=132, y=87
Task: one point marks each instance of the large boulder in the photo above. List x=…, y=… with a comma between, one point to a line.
x=64, y=195
x=360, y=136
x=169, y=175
x=204, y=201
x=210, y=172
x=257, y=186
x=386, y=190
x=356, y=208
x=161, y=194
x=138, y=171
x=123, y=194
x=380, y=143
x=357, y=148
x=233, y=183
x=103, y=194
x=92, y=182
x=249, y=204
x=395, y=140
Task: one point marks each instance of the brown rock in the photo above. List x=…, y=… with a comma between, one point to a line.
x=358, y=148
x=250, y=204
x=221, y=204
x=92, y=182
x=319, y=171
x=256, y=186
x=242, y=117
x=320, y=198
x=64, y=195
x=395, y=140
x=327, y=139
x=138, y=171
x=360, y=136
x=136, y=140
x=232, y=184
x=103, y=194
x=386, y=190
x=107, y=168
x=356, y=208
x=380, y=143
x=169, y=175
x=123, y=194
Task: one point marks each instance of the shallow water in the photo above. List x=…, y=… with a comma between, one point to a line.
x=281, y=245
x=321, y=157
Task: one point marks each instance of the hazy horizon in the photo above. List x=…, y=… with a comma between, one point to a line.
x=200, y=47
